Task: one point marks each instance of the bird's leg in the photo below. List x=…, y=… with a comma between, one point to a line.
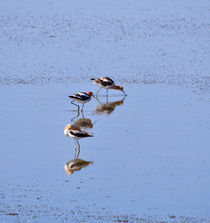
x=75, y=149
x=106, y=91
x=75, y=105
x=82, y=114
x=78, y=153
x=78, y=149
x=98, y=91
x=107, y=98
x=82, y=107
x=78, y=113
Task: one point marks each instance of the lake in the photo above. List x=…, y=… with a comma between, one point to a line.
x=149, y=158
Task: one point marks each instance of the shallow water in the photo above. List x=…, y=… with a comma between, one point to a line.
x=143, y=41
x=150, y=154
x=150, y=151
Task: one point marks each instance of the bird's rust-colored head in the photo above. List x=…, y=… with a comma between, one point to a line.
x=118, y=88
x=90, y=93
x=66, y=129
x=121, y=89
x=68, y=126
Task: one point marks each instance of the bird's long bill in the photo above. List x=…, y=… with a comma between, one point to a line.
x=124, y=92
x=93, y=96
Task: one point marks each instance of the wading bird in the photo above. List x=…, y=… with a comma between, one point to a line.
x=76, y=133
x=81, y=97
x=106, y=83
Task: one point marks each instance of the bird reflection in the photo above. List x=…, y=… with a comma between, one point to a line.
x=108, y=107
x=83, y=123
x=77, y=115
x=76, y=164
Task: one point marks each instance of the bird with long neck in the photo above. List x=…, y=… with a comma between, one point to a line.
x=76, y=133
x=81, y=97
x=106, y=83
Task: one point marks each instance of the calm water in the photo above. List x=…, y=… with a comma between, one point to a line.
x=149, y=157
x=150, y=152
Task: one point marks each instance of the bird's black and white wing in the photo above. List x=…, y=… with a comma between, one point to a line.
x=81, y=96
x=106, y=81
x=103, y=81
x=79, y=133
